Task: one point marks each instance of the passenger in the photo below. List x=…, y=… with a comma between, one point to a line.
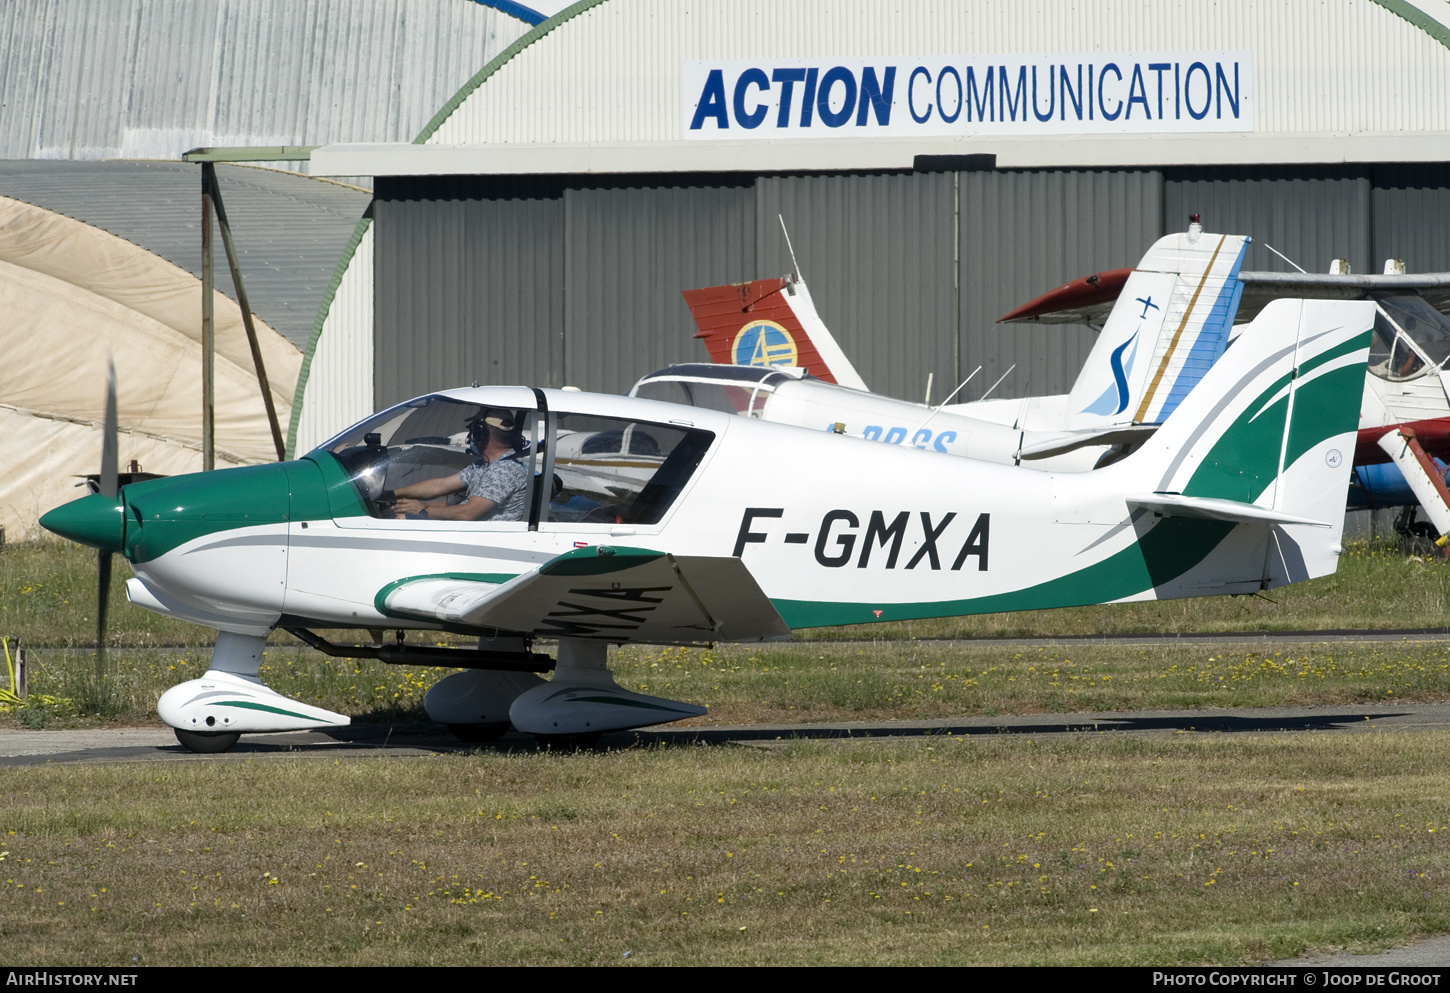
x=497, y=485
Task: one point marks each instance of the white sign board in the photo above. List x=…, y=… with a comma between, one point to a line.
x=1096, y=93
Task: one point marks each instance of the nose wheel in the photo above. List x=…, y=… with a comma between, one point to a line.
x=207, y=744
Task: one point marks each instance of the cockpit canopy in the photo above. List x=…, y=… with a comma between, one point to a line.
x=585, y=468
x=1411, y=337
x=733, y=389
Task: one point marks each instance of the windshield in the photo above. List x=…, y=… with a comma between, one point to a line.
x=430, y=438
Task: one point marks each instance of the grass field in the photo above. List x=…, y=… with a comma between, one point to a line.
x=1106, y=849
x=1110, y=850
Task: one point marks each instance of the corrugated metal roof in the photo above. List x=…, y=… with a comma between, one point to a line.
x=289, y=230
x=613, y=72
x=92, y=79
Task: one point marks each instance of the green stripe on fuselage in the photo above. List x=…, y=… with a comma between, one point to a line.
x=1240, y=466
x=1172, y=547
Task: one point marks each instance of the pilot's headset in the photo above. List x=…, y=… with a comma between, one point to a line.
x=498, y=418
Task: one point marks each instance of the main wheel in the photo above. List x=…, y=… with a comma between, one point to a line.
x=568, y=742
x=207, y=743
x=478, y=733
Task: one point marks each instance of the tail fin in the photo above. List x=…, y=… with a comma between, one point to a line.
x=1170, y=324
x=1267, y=438
x=769, y=322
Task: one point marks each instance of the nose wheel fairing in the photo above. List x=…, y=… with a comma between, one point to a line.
x=231, y=699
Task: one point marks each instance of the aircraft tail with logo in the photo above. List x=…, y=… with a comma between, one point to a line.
x=769, y=322
x=1170, y=323
x=1267, y=439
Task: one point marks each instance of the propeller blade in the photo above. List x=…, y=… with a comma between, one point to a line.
x=103, y=595
x=109, y=470
x=109, y=487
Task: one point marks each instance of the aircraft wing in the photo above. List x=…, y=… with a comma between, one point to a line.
x=606, y=594
x=1089, y=300
x=1214, y=509
x=1262, y=287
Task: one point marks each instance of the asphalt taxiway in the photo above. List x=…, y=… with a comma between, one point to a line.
x=158, y=744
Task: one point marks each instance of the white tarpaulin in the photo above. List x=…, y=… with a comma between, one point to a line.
x=71, y=295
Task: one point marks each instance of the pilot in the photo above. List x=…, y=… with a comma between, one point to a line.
x=497, y=485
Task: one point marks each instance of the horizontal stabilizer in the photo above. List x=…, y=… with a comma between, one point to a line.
x=1060, y=444
x=1214, y=509
x=1088, y=300
x=607, y=594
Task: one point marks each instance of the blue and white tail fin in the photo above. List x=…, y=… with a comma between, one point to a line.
x=1169, y=325
x=1267, y=440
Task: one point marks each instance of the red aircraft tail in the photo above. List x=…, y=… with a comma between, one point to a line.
x=769, y=322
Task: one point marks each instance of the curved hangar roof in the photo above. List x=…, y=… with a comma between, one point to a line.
x=289, y=229
x=58, y=275
x=1238, y=81
x=114, y=248
x=98, y=79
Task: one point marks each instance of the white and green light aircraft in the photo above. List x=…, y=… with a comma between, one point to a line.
x=649, y=522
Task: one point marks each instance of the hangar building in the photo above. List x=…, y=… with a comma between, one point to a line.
x=935, y=165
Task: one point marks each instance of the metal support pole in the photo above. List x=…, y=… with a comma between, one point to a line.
x=221, y=215
x=208, y=326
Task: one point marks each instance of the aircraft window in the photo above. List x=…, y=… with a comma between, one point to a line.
x=421, y=440
x=1411, y=337
x=1380, y=345
x=608, y=471
x=1405, y=360
x=1422, y=323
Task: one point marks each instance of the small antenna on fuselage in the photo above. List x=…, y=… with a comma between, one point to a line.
x=794, y=264
x=935, y=410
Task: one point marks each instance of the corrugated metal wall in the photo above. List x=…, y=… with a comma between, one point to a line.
x=628, y=253
x=1411, y=208
x=288, y=229
x=579, y=284
x=613, y=73
x=878, y=253
x=339, y=388
x=1024, y=233
x=1311, y=214
x=91, y=79
x=467, y=288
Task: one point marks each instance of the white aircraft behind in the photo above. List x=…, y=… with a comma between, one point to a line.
x=1172, y=320
x=786, y=362
x=641, y=521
